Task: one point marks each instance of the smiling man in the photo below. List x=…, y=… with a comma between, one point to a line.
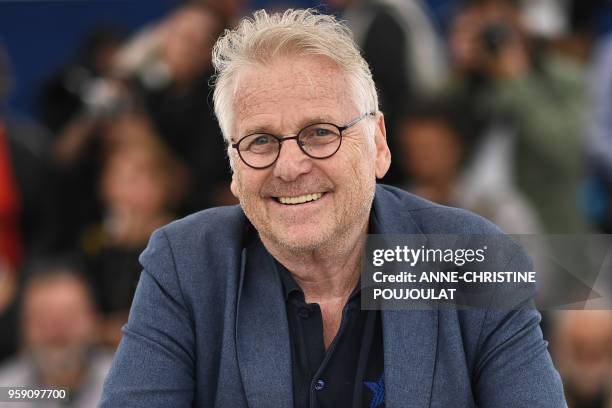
x=259, y=305
x=297, y=203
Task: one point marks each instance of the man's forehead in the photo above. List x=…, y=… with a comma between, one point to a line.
x=291, y=83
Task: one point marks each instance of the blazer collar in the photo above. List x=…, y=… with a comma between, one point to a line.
x=262, y=332
x=390, y=213
x=409, y=343
x=409, y=336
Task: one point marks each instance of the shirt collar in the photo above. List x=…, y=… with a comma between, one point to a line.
x=290, y=286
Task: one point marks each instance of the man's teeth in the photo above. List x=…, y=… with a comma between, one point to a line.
x=301, y=199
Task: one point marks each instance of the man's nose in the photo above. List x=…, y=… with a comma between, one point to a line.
x=292, y=161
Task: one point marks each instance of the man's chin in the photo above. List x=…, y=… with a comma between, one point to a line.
x=54, y=360
x=295, y=240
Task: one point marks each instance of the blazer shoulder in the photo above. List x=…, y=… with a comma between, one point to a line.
x=219, y=223
x=198, y=239
x=195, y=257
x=432, y=218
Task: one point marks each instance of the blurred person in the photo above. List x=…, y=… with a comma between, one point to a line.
x=527, y=106
x=23, y=183
x=402, y=47
x=8, y=309
x=10, y=230
x=582, y=349
x=58, y=329
x=74, y=104
x=23, y=176
x=600, y=135
x=577, y=39
x=10, y=200
x=171, y=65
x=141, y=185
x=432, y=153
x=188, y=36
x=64, y=96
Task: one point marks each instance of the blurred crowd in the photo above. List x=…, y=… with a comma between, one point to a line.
x=502, y=107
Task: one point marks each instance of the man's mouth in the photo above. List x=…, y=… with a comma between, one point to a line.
x=299, y=199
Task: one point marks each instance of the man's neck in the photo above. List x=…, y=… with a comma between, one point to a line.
x=329, y=273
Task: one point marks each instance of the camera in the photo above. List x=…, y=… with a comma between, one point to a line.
x=495, y=36
x=103, y=98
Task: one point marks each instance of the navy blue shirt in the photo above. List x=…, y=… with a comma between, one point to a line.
x=350, y=373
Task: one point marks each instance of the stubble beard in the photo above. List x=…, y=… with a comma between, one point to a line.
x=346, y=227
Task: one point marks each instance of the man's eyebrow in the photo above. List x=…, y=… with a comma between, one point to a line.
x=259, y=128
x=256, y=129
x=315, y=119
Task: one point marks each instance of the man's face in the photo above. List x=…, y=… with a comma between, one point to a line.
x=58, y=322
x=430, y=150
x=281, y=98
x=187, y=43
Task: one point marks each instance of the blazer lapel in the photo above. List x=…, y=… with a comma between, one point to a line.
x=410, y=337
x=409, y=343
x=262, y=333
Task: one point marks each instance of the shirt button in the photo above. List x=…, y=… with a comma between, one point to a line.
x=304, y=313
x=319, y=385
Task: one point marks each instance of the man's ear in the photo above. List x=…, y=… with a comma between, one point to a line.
x=383, y=155
x=234, y=186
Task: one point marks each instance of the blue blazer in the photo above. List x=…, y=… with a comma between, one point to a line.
x=204, y=331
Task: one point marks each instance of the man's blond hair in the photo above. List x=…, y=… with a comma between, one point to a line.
x=296, y=32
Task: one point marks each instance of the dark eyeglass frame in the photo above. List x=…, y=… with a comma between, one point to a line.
x=295, y=137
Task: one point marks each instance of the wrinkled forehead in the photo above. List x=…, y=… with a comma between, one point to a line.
x=291, y=87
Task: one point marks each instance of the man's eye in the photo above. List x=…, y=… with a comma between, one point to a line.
x=321, y=132
x=261, y=140
x=258, y=142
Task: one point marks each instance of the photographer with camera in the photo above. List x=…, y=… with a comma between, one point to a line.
x=75, y=105
x=526, y=107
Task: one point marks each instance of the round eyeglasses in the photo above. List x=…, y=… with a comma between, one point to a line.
x=319, y=141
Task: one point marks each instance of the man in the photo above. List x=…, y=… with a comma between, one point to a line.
x=521, y=101
x=258, y=305
x=58, y=321
x=581, y=340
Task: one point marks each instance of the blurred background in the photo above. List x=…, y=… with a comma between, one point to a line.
x=502, y=107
